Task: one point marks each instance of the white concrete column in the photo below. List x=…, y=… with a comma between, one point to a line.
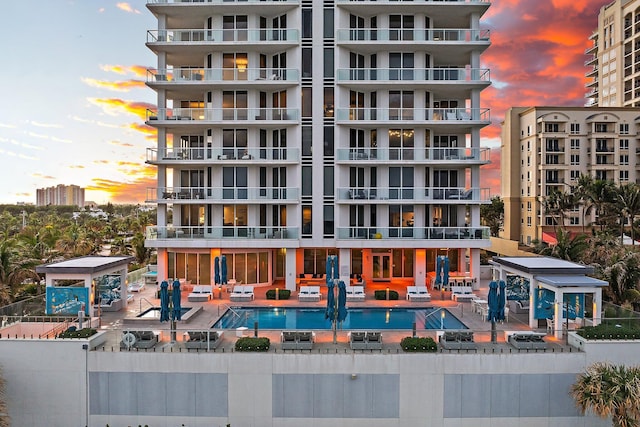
x=597, y=307
x=533, y=286
x=290, y=269
x=420, y=265
x=344, y=260
x=558, y=319
x=163, y=264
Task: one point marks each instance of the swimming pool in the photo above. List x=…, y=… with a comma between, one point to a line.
x=154, y=313
x=357, y=318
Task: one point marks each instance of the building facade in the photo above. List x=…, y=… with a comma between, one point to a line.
x=64, y=195
x=293, y=130
x=614, y=62
x=546, y=149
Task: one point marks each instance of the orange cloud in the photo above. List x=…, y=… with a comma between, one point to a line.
x=491, y=173
x=126, y=7
x=121, y=86
x=121, y=144
x=137, y=70
x=127, y=192
x=150, y=132
x=115, y=106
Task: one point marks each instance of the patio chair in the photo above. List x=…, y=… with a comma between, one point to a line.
x=551, y=326
x=200, y=293
x=357, y=340
x=374, y=340
x=355, y=293
x=203, y=339
x=288, y=340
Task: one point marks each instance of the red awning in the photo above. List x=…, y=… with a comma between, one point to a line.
x=549, y=238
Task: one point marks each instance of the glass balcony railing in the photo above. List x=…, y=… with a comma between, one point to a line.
x=237, y=35
x=246, y=194
x=221, y=75
x=438, y=35
x=403, y=2
x=417, y=194
x=232, y=153
x=224, y=114
x=414, y=114
x=469, y=75
x=386, y=154
x=225, y=232
x=430, y=233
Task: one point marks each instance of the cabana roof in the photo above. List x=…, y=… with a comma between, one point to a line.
x=544, y=265
x=85, y=265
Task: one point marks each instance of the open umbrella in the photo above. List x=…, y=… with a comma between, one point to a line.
x=502, y=300
x=164, y=301
x=175, y=299
x=216, y=270
x=342, y=302
x=223, y=268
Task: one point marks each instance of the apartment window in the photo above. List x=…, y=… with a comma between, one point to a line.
x=401, y=183
x=307, y=23
x=529, y=206
x=234, y=183
x=553, y=145
x=601, y=175
x=234, y=143
x=307, y=140
x=401, y=144
x=306, y=221
x=551, y=127
x=329, y=134
x=624, y=159
x=574, y=175
x=574, y=128
x=234, y=28
x=329, y=68
x=328, y=23
x=307, y=180
x=601, y=159
x=624, y=144
x=552, y=159
x=575, y=144
x=401, y=66
x=624, y=176
x=328, y=181
x=307, y=102
x=328, y=221
x=575, y=159
x=624, y=128
x=234, y=105
x=574, y=220
x=401, y=218
x=601, y=127
x=401, y=105
x=549, y=221
x=528, y=221
x=401, y=27
x=307, y=62
x=328, y=102
x=234, y=66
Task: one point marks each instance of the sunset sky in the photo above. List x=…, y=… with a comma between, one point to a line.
x=74, y=98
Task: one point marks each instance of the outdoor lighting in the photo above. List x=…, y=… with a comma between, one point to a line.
x=387, y=293
x=242, y=63
x=442, y=314
x=277, y=294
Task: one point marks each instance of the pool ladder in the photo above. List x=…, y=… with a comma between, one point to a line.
x=147, y=301
x=235, y=314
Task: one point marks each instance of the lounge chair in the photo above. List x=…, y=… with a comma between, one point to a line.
x=374, y=340
x=355, y=293
x=242, y=293
x=418, y=293
x=527, y=341
x=200, y=293
x=138, y=339
x=297, y=340
x=357, y=340
x=457, y=340
x=309, y=294
x=203, y=339
x=462, y=293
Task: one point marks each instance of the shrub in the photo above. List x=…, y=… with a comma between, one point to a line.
x=81, y=333
x=282, y=294
x=414, y=345
x=253, y=344
x=609, y=332
x=382, y=294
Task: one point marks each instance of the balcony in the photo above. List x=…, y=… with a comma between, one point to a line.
x=438, y=35
x=456, y=155
x=224, y=232
x=226, y=2
x=433, y=233
x=206, y=156
x=199, y=195
x=189, y=76
x=208, y=37
x=184, y=116
x=441, y=195
x=439, y=76
x=415, y=116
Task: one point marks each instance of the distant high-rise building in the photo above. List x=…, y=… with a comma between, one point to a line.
x=615, y=56
x=546, y=149
x=60, y=195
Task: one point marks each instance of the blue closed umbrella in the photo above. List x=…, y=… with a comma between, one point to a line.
x=223, y=268
x=176, y=300
x=331, y=302
x=342, y=301
x=438, y=269
x=216, y=270
x=492, y=302
x=445, y=270
x=502, y=300
x=164, y=301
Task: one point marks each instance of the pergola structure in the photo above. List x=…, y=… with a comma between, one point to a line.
x=557, y=276
x=67, y=300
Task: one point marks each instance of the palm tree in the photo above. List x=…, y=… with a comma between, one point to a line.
x=623, y=275
x=610, y=391
x=142, y=253
x=557, y=204
x=15, y=268
x=567, y=247
x=628, y=197
x=597, y=196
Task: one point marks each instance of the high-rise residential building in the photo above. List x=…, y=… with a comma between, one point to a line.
x=293, y=130
x=615, y=56
x=546, y=149
x=60, y=195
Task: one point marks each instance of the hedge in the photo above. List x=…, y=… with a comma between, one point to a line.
x=253, y=344
x=609, y=332
x=282, y=294
x=415, y=345
x=382, y=294
x=81, y=333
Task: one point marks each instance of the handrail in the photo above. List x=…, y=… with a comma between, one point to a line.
x=228, y=307
x=148, y=302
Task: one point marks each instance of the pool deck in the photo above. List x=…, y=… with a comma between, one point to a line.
x=210, y=311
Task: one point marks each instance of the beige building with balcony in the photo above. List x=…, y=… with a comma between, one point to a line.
x=548, y=148
x=289, y=131
x=614, y=63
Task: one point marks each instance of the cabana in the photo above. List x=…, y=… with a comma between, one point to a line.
x=555, y=288
x=87, y=271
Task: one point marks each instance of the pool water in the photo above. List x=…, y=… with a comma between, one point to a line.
x=154, y=313
x=357, y=318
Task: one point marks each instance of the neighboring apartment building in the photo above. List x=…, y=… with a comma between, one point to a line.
x=548, y=148
x=292, y=130
x=615, y=56
x=60, y=195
